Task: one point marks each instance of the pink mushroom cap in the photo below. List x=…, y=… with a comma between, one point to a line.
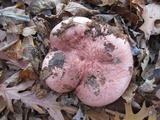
x=98, y=63
x=65, y=76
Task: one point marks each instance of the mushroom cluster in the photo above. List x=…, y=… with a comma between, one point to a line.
x=89, y=58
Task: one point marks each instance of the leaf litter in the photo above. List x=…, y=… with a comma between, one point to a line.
x=24, y=31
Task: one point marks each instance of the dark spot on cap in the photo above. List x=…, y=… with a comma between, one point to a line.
x=81, y=58
x=107, y=57
x=55, y=49
x=109, y=47
x=57, y=60
x=117, y=60
x=102, y=80
x=131, y=70
x=68, y=87
x=93, y=83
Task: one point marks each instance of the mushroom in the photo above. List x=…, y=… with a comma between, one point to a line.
x=91, y=58
x=65, y=76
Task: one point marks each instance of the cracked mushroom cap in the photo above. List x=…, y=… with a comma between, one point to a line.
x=99, y=55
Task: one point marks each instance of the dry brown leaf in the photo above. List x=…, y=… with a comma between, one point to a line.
x=8, y=45
x=27, y=31
x=48, y=102
x=37, y=6
x=15, y=51
x=31, y=52
x=3, y=104
x=156, y=103
x=14, y=12
x=95, y=2
x=28, y=73
x=148, y=85
x=153, y=115
x=116, y=116
x=42, y=26
x=13, y=78
x=108, y=2
x=158, y=93
x=9, y=94
x=148, y=71
x=77, y=9
x=28, y=41
x=145, y=54
x=157, y=66
x=139, y=2
x=15, y=29
x=97, y=115
x=45, y=73
x=126, y=14
x=151, y=18
x=130, y=92
x=19, y=63
x=12, y=37
x=39, y=90
x=143, y=113
x=2, y=35
x=79, y=115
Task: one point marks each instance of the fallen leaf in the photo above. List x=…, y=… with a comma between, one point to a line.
x=156, y=103
x=157, y=67
x=143, y=113
x=148, y=85
x=151, y=20
x=145, y=60
x=42, y=26
x=104, y=17
x=126, y=14
x=139, y=2
x=48, y=102
x=97, y=115
x=28, y=73
x=2, y=104
x=152, y=114
x=15, y=13
x=108, y=2
x=77, y=9
x=15, y=51
x=9, y=94
x=13, y=78
x=37, y=6
x=5, y=47
x=2, y=35
x=19, y=63
x=18, y=111
x=130, y=92
x=94, y=2
x=148, y=72
x=158, y=93
x=14, y=29
x=27, y=31
x=79, y=115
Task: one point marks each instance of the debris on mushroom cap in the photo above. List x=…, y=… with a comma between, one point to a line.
x=65, y=77
x=67, y=34
x=106, y=78
x=98, y=60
